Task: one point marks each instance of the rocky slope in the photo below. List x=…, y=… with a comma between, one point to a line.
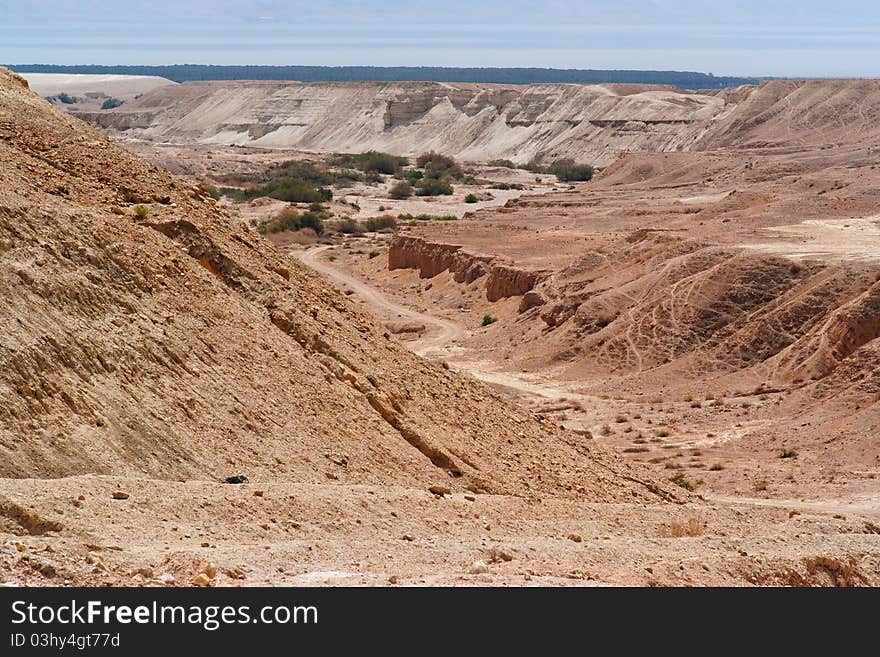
x=472, y=122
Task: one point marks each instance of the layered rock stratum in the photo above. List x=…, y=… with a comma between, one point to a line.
x=591, y=123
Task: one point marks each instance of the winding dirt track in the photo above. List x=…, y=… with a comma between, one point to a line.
x=443, y=331
x=442, y=334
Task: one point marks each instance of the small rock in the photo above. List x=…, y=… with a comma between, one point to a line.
x=236, y=479
x=575, y=537
x=144, y=571
x=408, y=537
x=120, y=495
x=21, y=547
x=210, y=570
x=97, y=561
x=166, y=578
x=478, y=568
x=439, y=491
x=81, y=498
x=393, y=579
x=258, y=493
x=206, y=544
x=470, y=498
x=202, y=580
x=235, y=573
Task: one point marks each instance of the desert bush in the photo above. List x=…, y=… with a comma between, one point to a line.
x=507, y=164
x=371, y=162
x=488, y=319
x=569, y=171
x=413, y=176
x=680, y=480
x=534, y=166
x=436, y=165
x=384, y=222
x=141, y=212
x=292, y=190
x=471, y=198
x=110, y=103
x=290, y=219
x=504, y=186
x=401, y=190
x=372, y=254
x=693, y=527
x=349, y=226
x=433, y=187
x=429, y=217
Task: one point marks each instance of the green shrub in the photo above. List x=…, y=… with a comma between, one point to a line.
x=67, y=100
x=372, y=254
x=427, y=217
x=534, y=166
x=371, y=162
x=502, y=163
x=433, y=187
x=384, y=222
x=565, y=170
x=141, y=212
x=349, y=226
x=471, y=198
x=345, y=177
x=292, y=190
x=290, y=219
x=110, y=103
x=401, y=190
x=413, y=176
x=439, y=166
x=488, y=319
x=504, y=185
x=569, y=171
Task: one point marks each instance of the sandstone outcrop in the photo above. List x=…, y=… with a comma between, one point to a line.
x=431, y=258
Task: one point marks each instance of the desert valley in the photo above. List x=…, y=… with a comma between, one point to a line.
x=281, y=333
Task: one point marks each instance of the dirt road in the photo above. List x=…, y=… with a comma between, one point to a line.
x=441, y=332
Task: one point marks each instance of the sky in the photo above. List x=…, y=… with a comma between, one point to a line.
x=805, y=38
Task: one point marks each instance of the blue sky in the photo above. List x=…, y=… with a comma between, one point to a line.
x=749, y=37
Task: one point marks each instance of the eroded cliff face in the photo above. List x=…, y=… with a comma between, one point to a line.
x=503, y=279
x=592, y=123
